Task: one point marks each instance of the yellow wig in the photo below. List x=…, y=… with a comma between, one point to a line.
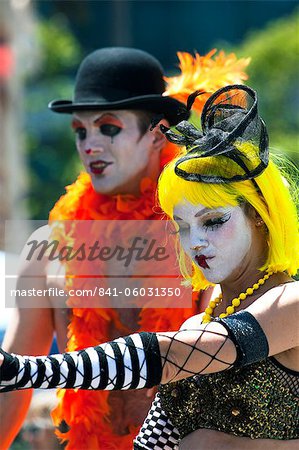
x=273, y=203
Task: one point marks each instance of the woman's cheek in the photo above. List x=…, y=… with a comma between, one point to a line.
x=224, y=233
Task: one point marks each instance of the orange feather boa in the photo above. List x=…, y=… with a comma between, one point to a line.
x=87, y=412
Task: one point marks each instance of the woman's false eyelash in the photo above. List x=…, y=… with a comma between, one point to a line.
x=213, y=224
x=209, y=224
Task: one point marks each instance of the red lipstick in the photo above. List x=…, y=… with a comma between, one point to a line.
x=98, y=167
x=202, y=261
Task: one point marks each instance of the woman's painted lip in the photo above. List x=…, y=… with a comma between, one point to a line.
x=202, y=261
x=98, y=167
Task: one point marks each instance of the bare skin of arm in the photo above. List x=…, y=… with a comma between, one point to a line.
x=216, y=440
x=31, y=331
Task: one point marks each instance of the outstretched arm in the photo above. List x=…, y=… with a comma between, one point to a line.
x=147, y=359
x=136, y=361
x=21, y=337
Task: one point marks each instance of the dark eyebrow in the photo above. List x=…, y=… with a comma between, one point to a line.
x=199, y=214
x=202, y=212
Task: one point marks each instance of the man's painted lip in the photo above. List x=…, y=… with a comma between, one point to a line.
x=98, y=167
x=202, y=261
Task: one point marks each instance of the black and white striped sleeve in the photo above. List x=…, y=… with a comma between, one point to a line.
x=133, y=362
x=157, y=431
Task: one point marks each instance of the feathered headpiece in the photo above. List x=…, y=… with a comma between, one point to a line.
x=229, y=119
x=205, y=74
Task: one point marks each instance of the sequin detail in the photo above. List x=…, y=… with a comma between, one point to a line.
x=257, y=401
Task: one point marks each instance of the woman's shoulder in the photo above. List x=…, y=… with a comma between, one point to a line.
x=281, y=294
x=293, y=288
x=193, y=322
x=277, y=313
x=287, y=292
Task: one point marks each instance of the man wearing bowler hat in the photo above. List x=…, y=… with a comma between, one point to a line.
x=118, y=91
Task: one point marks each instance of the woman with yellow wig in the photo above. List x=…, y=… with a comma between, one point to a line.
x=230, y=376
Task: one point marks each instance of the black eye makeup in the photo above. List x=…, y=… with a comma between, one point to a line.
x=79, y=129
x=81, y=133
x=109, y=129
x=216, y=222
x=109, y=125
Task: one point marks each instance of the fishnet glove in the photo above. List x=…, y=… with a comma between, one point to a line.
x=133, y=362
x=205, y=349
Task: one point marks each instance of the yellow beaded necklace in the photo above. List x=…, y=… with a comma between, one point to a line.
x=235, y=302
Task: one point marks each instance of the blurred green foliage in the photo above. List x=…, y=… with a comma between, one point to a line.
x=60, y=50
x=52, y=157
x=273, y=72
x=20, y=444
x=49, y=141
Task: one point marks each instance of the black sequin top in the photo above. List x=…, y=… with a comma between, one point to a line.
x=260, y=401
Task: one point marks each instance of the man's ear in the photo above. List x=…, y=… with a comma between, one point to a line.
x=159, y=140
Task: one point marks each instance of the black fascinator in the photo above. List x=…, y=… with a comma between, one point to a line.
x=231, y=130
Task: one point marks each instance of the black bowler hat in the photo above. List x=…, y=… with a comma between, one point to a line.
x=121, y=78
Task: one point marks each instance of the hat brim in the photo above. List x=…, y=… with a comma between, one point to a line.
x=171, y=108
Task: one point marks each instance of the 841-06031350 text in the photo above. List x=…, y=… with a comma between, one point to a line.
x=141, y=292
x=100, y=291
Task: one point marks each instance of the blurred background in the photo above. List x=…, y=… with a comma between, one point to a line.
x=42, y=43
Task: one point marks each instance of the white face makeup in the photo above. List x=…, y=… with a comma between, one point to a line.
x=218, y=240
x=112, y=150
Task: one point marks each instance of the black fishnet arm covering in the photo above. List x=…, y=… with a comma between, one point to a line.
x=157, y=431
x=191, y=352
x=133, y=362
